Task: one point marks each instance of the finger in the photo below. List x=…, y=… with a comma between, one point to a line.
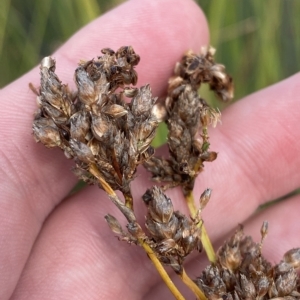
x=35, y=179
x=283, y=235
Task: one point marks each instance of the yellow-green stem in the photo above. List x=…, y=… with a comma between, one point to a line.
x=94, y=170
x=128, y=201
x=160, y=269
x=162, y=272
x=192, y=285
x=210, y=252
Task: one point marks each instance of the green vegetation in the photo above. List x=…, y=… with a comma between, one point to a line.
x=258, y=41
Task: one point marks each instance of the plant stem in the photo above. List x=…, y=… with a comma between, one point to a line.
x=192, y=285
x=94, y=171
x=128, y=213
x=128, y=200
x=210, y=252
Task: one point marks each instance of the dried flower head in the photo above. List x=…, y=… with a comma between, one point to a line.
x=173, y=235
x=241, y=272
x=108, y=138
x=95, y=125
x=186, y=115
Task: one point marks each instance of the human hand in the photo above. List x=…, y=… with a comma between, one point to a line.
x=56, y=248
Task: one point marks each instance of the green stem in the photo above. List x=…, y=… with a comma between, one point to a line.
x=162, y=272
x=207, y=245
x=192, y=285
x=128, y=213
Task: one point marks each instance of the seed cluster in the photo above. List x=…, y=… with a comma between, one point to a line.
x=172, y=234
x=107, y=127
x=186, y=115
x=241, y=272
x=95, y=125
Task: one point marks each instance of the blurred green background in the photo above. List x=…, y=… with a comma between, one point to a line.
x=258, y=41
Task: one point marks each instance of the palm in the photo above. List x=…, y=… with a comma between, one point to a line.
x=54, y=249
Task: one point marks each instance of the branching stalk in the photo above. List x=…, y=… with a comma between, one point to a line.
x=192, y=285
x=162, y=272
x=128, y=200
x=210, y=252
x=131, y=218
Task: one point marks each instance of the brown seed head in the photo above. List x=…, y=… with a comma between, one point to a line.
x=47, y=133
x=253, y=277
x=292, y=257
x=114, y=224
x=185, y=114
x=160, y=207
x=204, y=198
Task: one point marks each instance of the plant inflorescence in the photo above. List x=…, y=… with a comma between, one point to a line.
x=107, y=127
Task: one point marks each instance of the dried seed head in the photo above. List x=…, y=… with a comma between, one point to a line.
x=51, y=122
x=159, y=205
x=86, y=87
x=117, y=228
x=46, y=133
x=130, y=92
x=135, y=230
x=114, y=224
x=115, y=111
x=160, y=231
x=248, y=288
x=253, y=277
x=230, y=258
x=166, y=246
x=185, y=114
x=292, y=257
x=96, y=122
x=286, y=283
x=80, y=125
x=159, y=111
x=204, y=198
x=174, y=235
x=99, y=130
x=101, y=127
x=263, y=285
x=82, y=151
x=126, y=56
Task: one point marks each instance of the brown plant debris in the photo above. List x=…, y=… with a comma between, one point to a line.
x=241, y=272
x=108, y=138
x=95, y=125
x=186, y=115
x=173, y=235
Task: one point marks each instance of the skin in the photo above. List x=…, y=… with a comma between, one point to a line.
x=53, y=247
